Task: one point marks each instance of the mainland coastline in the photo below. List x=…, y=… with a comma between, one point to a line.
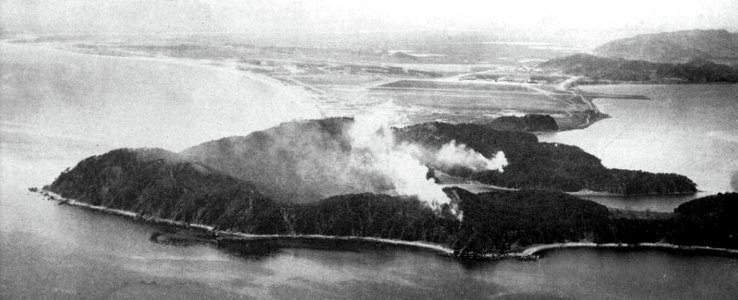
x=572, y=109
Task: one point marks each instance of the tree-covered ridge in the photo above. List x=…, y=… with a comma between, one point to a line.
x=293, y=162
x=502, y=221
x=375, y=215
x=711, y=221
x=156, y=183
x=527, y=123
x=617, y=69
x=547, y=166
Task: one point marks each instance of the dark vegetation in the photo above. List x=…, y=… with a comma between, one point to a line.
x=375, y=215
x=709, y=221
x=546, y=166
x=617, y=69
x=268, y=157
x=527, y=123
x=156, y=183
x=502, y=221
x=294, y=162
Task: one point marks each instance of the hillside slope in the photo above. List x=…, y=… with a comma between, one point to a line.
x=294, y=162
x=675, y=47
x=300, y=162
x=158, y=183
x=618, y=69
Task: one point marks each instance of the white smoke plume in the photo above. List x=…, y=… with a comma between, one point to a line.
x=303, y=162
x=453, y=155
x=375, y=150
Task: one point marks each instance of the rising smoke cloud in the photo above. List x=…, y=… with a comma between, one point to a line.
x=375, y=149
x=453, y=155
x=300, y=162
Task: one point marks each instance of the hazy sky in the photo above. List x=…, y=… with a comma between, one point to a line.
x=586, y=19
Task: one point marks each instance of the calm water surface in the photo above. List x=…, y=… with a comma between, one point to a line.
x=685, y=129
x=52, y=251
x=56, y=251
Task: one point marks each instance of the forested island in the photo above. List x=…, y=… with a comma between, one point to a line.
x=156, y=183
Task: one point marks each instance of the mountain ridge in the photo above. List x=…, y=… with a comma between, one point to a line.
x=720, y=46
x=623, y=70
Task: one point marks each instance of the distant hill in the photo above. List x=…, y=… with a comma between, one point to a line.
x=675, y=47
x=403, y=56
x=618, y=69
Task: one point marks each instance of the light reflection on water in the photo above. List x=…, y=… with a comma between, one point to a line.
x=684, y=129
x=51, y=251
x=48, y=250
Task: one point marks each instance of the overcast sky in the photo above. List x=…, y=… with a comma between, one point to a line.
x=587, y=20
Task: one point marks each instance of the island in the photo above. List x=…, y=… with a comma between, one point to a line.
x=186, y=190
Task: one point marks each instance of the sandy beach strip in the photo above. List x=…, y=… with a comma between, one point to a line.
x=240, y=236
x=531, y=252
x=535, y=250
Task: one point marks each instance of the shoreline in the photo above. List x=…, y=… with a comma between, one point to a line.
x=206, y=64
x=590, y=193
x=534, y=250
x=240, y=236
x=586, y=119
x=477, y=187
x=529, y=253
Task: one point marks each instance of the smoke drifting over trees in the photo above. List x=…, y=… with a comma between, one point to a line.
x=307, y=161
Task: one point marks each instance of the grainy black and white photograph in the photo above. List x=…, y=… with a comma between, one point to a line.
x=386, y=149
